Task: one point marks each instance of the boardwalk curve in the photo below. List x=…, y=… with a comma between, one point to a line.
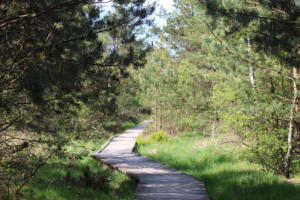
x=156, y=181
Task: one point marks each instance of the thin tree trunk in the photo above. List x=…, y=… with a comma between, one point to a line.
x=215, y=112
x=155, y=115
x=287, y=163
x=213, y=129
x=294, y=111
x=161, y=119
x=155, y=109
x=250, y=66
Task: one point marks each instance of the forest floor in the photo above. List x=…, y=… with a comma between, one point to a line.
x=219, y=164
x=78, y=176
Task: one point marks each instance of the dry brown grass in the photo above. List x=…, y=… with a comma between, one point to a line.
x=219, y=140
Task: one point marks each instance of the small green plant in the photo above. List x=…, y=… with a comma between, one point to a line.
x=141, y=141
x=156, y=137
x=159, y=137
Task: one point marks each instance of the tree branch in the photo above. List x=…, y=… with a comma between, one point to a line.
x=100, y=31
x=289, y=76
x=11, y=20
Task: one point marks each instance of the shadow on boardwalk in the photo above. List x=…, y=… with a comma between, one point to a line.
x=156, y=181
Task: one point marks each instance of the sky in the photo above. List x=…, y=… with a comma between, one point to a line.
x=158, y=19
x=167, y=5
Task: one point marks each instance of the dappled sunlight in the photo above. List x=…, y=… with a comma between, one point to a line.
x=225, y=176
x=80, y=177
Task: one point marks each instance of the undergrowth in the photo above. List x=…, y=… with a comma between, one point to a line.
x=76, y=175
x=156, y=137
x=79, y=177
x=219, y=164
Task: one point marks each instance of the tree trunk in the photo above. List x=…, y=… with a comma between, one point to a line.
x=213, y=129
x=288, y=156
x=155, y=115
x=215, y=112
x=251, y=76
x=294, y=111
x=161, y=119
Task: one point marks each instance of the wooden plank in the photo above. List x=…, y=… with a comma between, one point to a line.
x=156, y=181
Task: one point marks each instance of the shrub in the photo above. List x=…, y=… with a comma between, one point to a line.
x=156, y=137
x=268, y=151
x=141, y=141
x=159, y=137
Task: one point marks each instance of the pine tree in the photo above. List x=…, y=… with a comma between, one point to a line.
x=52, y=60
x=273, y=28
x=214, y=35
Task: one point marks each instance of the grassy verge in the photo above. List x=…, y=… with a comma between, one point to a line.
x=116, y=128
x=78, y=176
x=218, y=163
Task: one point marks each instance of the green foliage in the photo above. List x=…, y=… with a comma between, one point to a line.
x=218, y=163
x=129, y=108
x=225, y=41
x=171, y=90
x=159, y=137
x=61, y=65
x=268, y=151
x=141, y=141
x=155, y=137
x=128, y=125
x=79, y=176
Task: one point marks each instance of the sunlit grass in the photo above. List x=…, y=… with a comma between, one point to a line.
x=80, y=177
x=226, y=176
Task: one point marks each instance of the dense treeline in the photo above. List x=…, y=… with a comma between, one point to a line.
x=64, y=75
x=61, y=67
x=235, y=63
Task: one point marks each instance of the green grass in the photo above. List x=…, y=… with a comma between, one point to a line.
x=225, y=175
x=80, y=177
x=127, y=125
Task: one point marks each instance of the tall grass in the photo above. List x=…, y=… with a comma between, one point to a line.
x=226, y=176
x=79, y=177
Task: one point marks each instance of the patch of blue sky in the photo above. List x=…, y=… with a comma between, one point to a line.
x=167, y=5
x=160, y=20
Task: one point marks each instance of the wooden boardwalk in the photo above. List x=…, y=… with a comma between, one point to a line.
x=156, y=181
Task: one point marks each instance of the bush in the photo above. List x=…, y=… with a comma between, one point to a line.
x=156, y=137
x=141, y=141
x=159, y=137
x=268, y=151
